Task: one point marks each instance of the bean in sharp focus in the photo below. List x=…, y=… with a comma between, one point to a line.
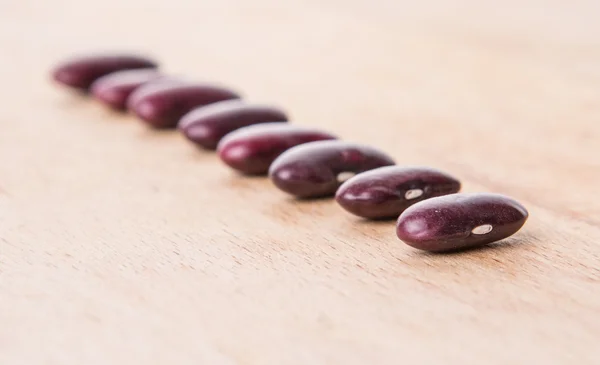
x=80, y=72
x=459, y=221
x=115, y=88
x=387, y=191
x=207, y=125
x=252, y=149
x=317, y=169
x=162, y=104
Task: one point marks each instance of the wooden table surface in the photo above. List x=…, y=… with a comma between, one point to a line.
x=123, y=245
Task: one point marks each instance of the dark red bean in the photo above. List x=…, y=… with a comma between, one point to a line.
x=81, y=72
x=151, y=87
x=387, y=191
x=317, y=169
x=206, y=125
x=459, y=221
x=162, y=104
x=114, y=89
x=251, y=150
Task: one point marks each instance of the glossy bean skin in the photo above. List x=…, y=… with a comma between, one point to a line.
x=162, y=104
x=80, y=72
x=317, y=169
x=207, y=125
x=153, y=86
x=387, y=191
x=251, y=150
x=460, y=221
x=115, y=88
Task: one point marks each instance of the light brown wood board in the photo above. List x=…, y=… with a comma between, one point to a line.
x=123, y=245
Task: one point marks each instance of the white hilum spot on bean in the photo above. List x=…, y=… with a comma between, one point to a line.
x=483, y=229
x=413, y=194
x=343, y=176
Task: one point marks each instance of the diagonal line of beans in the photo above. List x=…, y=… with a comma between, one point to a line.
x=305, y=162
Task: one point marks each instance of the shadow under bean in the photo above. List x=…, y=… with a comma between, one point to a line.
x=498, y=247
x=73, y=99
x=372, y=222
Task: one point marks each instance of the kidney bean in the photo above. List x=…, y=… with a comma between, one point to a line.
x=252, y=149
x=115, y=88
x=460, y=221
x=162, y=104
x=387, y=191
x=317, y=169
x=151, y=87
x=81, y=72
x=206, y=125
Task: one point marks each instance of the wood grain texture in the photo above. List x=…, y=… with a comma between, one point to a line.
x=121, y=245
